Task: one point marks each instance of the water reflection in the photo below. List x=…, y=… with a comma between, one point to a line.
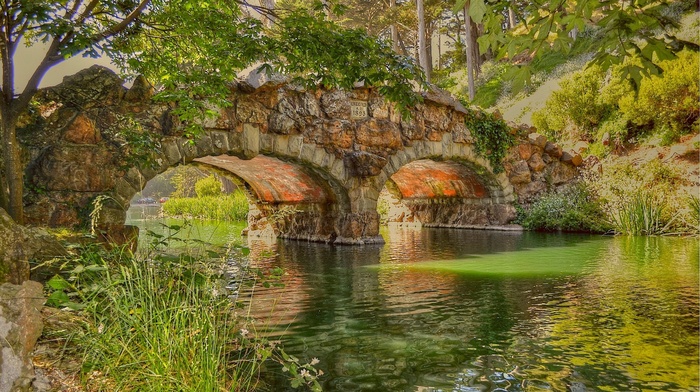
x=459, y=310
x=421, y=314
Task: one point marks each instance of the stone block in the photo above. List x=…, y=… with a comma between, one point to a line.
x=307, y=152
x=338, y=170
x=266, y=143
x=281, y=145
x=295, y=144
x=219, y=142
x=250, y=141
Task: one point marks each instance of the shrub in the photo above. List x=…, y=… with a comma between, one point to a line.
x=208, y=186
x=573, y=208
x=645, y=199
x=668, y=103
x=575, y=110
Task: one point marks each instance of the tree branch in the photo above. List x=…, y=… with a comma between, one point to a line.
x=121, y=26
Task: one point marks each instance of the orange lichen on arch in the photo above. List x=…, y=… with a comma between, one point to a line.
x=273, y=180
x=426, y=179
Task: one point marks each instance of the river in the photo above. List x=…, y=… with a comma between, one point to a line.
x=466, y=310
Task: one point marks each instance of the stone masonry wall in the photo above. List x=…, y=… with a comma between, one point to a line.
x=85, y=138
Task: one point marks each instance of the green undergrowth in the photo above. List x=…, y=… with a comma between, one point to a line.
x=232, y=207
x=647, y=199
x=164, y=322
x=573, y=208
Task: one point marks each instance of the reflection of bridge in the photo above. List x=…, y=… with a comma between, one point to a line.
x=315, y=161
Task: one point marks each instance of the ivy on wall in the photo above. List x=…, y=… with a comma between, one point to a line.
x=492, y=137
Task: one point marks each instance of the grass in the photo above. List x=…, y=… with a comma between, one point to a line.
x=641, y=215
x=233, y=207
x=162, y=322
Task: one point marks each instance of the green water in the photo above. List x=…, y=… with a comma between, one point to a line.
x=461, y=310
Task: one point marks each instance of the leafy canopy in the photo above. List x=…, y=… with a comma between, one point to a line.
x=639, y=30
x=192, y=49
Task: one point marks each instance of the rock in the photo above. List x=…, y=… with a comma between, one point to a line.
x=520, y=173
x=336, y=104
x=18, y=245
x=559, y=173
x=529, y=192
x=378, y=134
x=20, y=327
x=364, y=164
x=546, y=158
x=82, y=131
x=572, y=158
x=537, y=140
x=254, y=77
x=81, y=168
x=141, y=91
x=525, y=151
x=606, y=139
x=96, y=86
x=444, y=98
x=553, y=150
x=536, y=163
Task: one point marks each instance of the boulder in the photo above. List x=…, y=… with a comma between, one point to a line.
x=525, y=150
x=536, y=163
x=572, y=158
x=537, y=140
x=82, y=131
x=559, y=173
x=553, y=150
x=20, y=327
x=19, y=245
x=364, y=164
x=520, y=173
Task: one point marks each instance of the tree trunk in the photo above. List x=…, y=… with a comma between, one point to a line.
x=13, y=173
x=267, y=17
x=470, y=53
x=394, y=30
x=511, y=18
x=422, y=46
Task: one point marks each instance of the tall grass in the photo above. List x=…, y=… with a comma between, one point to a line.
x=163, y=322
x=164, y=326
x=233, y=207
x=641, y=215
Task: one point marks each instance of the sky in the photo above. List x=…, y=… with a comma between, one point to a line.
x=27, y=59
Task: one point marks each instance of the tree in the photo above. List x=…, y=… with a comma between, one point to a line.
x=191, y=49
x=635, y=34
x=422, y=46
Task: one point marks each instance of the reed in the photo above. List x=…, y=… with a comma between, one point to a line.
x=233, y=207
x=642, y=214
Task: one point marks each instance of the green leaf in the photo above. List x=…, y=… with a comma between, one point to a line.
x=58, y=283
x=477, y=10
x=57, y=298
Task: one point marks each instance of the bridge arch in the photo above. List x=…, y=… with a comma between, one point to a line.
x=349, y=143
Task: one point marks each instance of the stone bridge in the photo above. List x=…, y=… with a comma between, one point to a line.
x=314, y=162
